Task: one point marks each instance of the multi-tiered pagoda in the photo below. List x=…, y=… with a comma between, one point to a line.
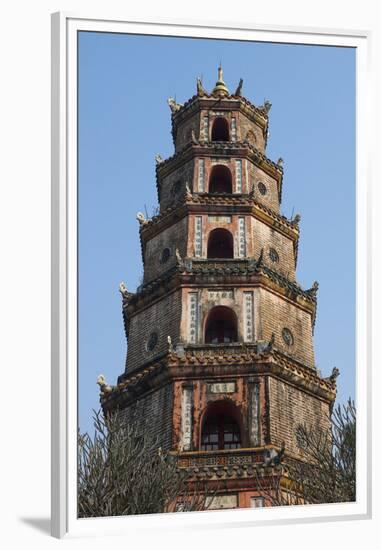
x=220, y=363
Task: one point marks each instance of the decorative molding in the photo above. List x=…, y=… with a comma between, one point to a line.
x=186, y=417
x=222, y=387
x=221, y=294
x=254, y=415
x=201, y=176
x=192, y=317
x=203, y=272
x=240, y=359
x=248, y=316
x=241, y=237
x=238, y=175
x=206, y=202
x=198, y=236
x=233, y=129
x=220, y=219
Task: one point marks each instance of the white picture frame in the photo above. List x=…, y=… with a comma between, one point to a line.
x=64, y=275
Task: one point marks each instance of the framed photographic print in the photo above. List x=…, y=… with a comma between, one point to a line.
x=210, y=275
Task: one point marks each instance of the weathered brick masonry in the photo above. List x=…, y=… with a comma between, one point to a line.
x=153, y=411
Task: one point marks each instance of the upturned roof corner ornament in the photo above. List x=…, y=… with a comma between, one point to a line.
x=193, y=137
x=141, y=218
x=334, y=374
x=220, y=89
x=173, y=105
x=169, y=343
x=200, y=88
x=179, y=260
x=260, y=260
x=124, y=291
x=313, y=290
x=296, y=219
x=158, y=159
x=273, y=457
x=271, y=343
x=103, y=386
x=266, y=106
x=238, y=91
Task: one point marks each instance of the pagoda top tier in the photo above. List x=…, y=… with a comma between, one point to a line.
x=219, y=91
x=189, y=118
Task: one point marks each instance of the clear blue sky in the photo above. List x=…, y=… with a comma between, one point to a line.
x=124, y=120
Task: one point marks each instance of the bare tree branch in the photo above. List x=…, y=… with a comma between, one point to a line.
x=328, y=470
x=122, y=471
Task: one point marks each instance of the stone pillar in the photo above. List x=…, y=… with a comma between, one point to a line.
x=238, y=176
x=248, y=317
x=201, y=176
x=198, y=237
x=186, y=417
x=254, y=414
x=192, y=317
x=241, y=237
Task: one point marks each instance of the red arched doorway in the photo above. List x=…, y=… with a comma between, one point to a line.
x=220, y=129
x=221, y=427
x=221, y=326
x=220, y=244
x=220, y=180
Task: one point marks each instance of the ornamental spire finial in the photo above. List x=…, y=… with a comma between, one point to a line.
x=220, y=88
x=220, y=73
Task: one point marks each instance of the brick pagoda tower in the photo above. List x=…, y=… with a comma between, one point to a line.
x=220, y=364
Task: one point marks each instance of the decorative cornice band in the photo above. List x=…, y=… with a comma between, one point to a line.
x=205, y=202
x=194, y=361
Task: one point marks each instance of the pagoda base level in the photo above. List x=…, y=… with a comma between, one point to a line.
x=240, y=478
x=271, y=490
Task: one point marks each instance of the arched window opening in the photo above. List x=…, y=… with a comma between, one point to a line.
x=220, y=244
x=221, y=326
x=220, y=130
x=221, y=428
x=220, y=180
